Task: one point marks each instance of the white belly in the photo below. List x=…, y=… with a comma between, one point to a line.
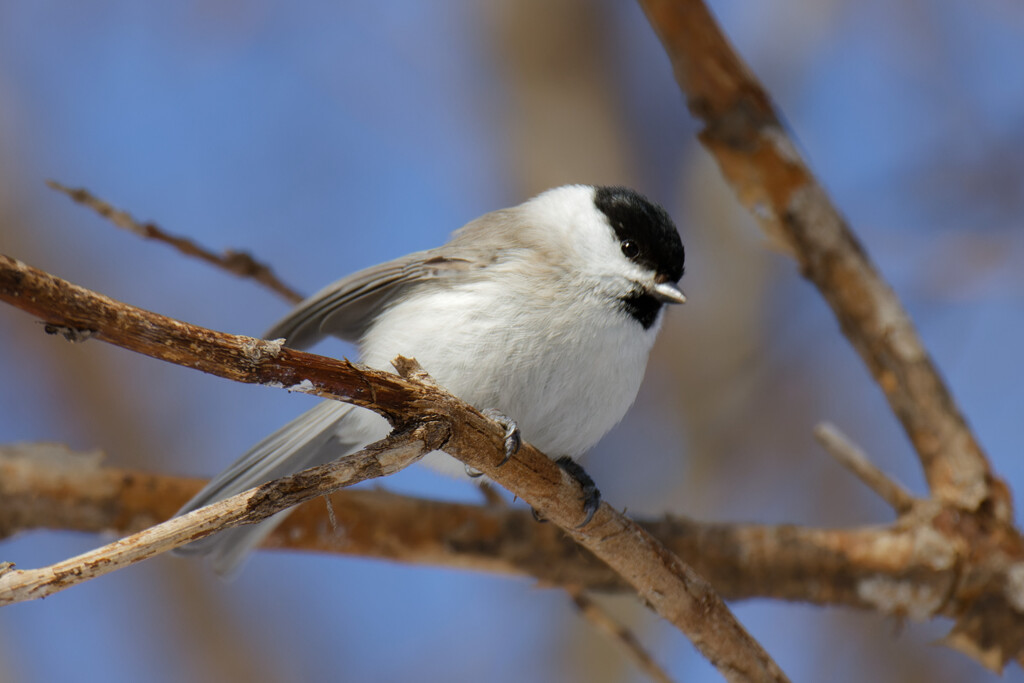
x=565, y=379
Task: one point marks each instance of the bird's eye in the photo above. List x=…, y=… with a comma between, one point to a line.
x=630, y=248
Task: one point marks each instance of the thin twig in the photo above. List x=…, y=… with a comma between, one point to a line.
x=663, y=581
x=237, y=263
x=757, y=156
x=854, y=459
x=600, y=618
x=254, y=505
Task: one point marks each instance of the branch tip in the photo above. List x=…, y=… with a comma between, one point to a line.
x=237, y=263
x=840, y=447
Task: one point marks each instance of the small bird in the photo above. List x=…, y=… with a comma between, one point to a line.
x=543, y=315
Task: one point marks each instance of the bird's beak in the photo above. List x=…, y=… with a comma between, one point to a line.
x=668, y=293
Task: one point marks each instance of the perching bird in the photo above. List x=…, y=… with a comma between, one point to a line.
x=543, y=313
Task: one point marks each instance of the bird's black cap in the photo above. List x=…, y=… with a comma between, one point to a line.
x=647, y=226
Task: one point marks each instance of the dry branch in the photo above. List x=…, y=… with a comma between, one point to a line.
x=932, y=562
x=250, y=507
x=235, y=262
x=956, y=555
x=674, y=590
x=854, y=459
x=745, y=135
x=43, y=486
x=969, y=507
x=618, y=633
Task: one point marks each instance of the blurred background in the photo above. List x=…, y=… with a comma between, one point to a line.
x=328, y=137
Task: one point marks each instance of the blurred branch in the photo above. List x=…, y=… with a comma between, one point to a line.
x=674, y=590
x=250, y=507
x=969, y=504
x=237, y=263
x=857, y=461
x=917, y=567
x=604, y=622
x=745, y=135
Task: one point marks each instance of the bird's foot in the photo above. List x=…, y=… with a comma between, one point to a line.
x=513, y=438
x=591, y=494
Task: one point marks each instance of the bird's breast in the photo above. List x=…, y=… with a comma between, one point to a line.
x=566, y=370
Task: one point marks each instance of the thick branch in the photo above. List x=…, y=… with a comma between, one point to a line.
x=744, y=134
x=674, y=590
x=932, y=561
x=43, y=486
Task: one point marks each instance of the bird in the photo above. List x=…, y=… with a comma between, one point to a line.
x=542, y=315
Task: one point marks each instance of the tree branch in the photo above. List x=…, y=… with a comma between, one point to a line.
x=746, y=137
x=618, y=633
x=250, y=507
x=956, y=555
x=969, y=504
x=237, y=263
x=855, y=460
x=674, y=590
x=934, y=561
x=44, y=486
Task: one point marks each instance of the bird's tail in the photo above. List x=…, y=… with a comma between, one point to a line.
x=325, y=433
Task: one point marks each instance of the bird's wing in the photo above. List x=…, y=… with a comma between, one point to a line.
x=346, y=308
x=328, y=431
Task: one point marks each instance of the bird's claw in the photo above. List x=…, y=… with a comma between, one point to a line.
x=591, y=494
x=513, y=438
x=473, y=472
